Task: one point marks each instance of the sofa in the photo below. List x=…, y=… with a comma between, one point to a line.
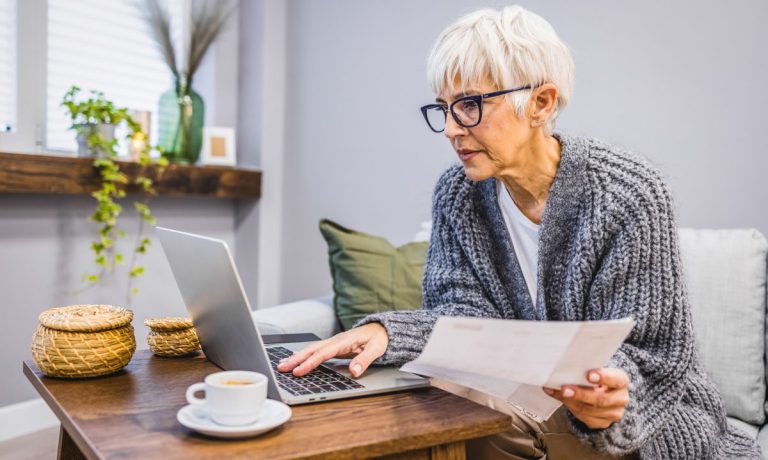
x=725, y=273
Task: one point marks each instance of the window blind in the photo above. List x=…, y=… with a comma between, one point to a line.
x=102, y=46
x=7, y=64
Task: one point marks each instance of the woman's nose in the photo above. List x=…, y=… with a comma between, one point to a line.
x=453, y=129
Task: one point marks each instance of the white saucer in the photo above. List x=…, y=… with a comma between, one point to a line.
x=273, y=415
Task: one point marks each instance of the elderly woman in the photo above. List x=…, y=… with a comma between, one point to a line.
x=538, y=225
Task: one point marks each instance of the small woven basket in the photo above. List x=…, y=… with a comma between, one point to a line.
x=83, y=341
x=172, y=337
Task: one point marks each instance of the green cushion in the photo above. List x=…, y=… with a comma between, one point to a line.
x=370, y=275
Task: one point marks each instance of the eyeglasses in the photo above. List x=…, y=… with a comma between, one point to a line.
x=466, y=111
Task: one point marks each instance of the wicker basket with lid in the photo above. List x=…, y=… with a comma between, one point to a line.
x=83, y=341
x=172, y=337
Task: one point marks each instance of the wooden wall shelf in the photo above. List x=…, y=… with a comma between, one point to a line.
x=34, y=173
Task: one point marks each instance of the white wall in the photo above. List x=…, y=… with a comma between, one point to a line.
x=680, y=82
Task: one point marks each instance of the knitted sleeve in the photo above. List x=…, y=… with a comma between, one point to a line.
x=450, y=286
x=640, y=275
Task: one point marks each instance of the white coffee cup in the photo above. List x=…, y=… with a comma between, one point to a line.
x=232, y=397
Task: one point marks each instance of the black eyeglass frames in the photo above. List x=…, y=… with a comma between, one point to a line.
x=467, y=111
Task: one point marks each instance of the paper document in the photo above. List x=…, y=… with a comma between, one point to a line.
x=512, y=360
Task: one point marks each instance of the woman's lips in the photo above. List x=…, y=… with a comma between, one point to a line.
x=467, y=154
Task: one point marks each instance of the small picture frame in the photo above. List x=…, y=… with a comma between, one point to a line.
x=218, y=146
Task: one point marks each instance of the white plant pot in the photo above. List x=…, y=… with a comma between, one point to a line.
x=83, y=131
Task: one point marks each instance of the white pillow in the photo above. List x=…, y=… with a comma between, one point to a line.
x=424, y=232
x=726, y=276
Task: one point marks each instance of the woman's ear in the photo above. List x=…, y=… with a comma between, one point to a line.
x=543, y=102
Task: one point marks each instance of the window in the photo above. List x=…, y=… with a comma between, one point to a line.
x=7, y=65
x=103, y=46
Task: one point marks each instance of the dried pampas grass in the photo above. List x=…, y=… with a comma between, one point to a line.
x=208, y=18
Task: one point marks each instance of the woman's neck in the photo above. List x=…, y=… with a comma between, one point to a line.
x=529, y=180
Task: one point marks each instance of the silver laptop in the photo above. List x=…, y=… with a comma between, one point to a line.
x=211, y=288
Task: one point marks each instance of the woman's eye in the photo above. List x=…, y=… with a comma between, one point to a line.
x=467, y=106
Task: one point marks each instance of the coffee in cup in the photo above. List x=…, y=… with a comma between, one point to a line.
x=232, y=398
x=238, y=382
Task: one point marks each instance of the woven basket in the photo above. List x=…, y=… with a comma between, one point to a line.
x=172, y=337
x=83, y=341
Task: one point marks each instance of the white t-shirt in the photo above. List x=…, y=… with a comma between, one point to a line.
x=524, y=235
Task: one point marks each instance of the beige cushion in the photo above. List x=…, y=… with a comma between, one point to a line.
x=726, y=277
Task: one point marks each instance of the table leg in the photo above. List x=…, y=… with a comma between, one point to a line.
x=68, y=450
x=450, y=451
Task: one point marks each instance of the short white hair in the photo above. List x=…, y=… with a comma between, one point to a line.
x=511, y=47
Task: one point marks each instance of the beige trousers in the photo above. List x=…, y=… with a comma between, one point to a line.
x=526, y=438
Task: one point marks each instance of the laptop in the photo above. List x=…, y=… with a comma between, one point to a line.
x=210, y=285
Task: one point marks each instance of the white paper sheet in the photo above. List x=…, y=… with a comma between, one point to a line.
x=528, y=399
x=513, y=360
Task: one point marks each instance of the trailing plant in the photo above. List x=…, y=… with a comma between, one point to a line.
x=85, y=116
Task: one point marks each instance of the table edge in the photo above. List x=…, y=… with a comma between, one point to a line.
x=496, y=425
x=88, y=449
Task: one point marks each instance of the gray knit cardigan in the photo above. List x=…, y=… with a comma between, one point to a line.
x=607, y=249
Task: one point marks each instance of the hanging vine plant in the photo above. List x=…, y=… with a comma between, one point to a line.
x=94, y=120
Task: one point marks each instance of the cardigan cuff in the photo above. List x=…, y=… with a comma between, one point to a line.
x=406, y=334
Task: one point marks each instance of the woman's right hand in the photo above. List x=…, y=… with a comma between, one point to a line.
x=364, y=344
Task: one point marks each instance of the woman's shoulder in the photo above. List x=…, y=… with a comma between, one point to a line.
x=605, y=156
x=620, y=178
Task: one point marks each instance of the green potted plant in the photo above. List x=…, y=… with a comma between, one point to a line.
x=94, y=120
x=181, y=108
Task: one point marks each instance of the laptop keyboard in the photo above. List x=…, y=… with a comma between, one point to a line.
x=321, y=380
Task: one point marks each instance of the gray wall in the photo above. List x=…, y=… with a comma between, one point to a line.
x=44, y=239
x=683, y=83
x=248, y=125
x=44, y=243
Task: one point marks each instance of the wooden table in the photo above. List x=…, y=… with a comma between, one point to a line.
x=132, y=414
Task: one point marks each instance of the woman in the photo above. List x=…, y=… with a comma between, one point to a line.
x=539, y=225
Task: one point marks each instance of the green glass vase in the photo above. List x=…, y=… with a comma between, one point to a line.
x=180, y=123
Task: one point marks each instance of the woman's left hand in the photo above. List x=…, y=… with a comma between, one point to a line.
x=600, y=406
